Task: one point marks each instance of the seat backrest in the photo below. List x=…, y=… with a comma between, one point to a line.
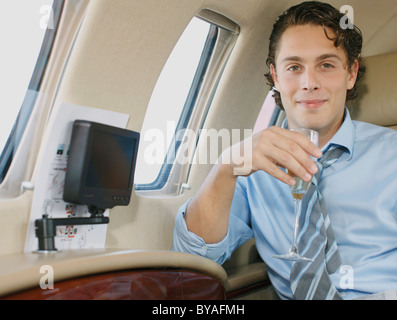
x=377, y=100
x=265, y=115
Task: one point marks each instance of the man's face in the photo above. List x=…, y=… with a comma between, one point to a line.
x=313, y=76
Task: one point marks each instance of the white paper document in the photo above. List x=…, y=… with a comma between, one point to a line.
x=48, y=189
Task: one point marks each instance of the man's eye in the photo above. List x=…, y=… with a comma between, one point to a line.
x=327, y=66
x=294, y=68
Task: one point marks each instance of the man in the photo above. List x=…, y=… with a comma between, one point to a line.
x=314, y=66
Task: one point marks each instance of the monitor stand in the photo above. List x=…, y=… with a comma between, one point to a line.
x=46, y=227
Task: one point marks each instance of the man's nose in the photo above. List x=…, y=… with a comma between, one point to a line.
x=310, y=81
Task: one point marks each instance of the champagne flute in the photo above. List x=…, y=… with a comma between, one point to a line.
x=298, y=191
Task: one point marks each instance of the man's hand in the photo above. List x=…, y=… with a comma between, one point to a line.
x=272, y=149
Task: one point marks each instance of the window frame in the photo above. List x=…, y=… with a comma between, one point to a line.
x=32, y=92
x=221, y=39
x=185, y=116
x=21, y=171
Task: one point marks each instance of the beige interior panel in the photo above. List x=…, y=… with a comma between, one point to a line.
x=377, y=93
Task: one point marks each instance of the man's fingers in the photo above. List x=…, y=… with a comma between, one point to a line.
x=303, y=141
x=290, y=150
x=274, y=170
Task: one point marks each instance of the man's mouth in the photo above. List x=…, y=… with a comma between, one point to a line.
x=312, y=103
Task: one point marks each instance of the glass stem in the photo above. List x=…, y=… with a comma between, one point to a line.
x=297, y=205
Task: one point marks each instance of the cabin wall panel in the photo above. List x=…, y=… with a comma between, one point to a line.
x=120, y=53
x=14, y=223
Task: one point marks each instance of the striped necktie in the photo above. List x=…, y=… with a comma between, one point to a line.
x=310, y=280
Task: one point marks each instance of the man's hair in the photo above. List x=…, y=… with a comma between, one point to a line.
x=325, y=15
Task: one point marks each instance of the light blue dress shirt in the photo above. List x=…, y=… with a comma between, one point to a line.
x=360, y=195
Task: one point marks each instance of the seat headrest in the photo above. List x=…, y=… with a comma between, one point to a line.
x=377, y=100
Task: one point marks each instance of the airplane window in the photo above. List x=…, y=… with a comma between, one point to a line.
x=27, y=30
x=179, y=104
x=168, y=99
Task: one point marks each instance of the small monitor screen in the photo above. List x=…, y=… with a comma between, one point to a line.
x=101, y=165
x=107, y=170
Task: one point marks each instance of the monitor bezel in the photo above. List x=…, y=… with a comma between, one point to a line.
x=83, y=135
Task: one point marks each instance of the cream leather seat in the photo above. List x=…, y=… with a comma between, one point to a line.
x=377, y=101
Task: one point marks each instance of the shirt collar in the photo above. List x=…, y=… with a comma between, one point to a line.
x=344, y=137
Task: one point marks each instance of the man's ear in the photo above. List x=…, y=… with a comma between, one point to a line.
x=274, y=76
x=353, y=72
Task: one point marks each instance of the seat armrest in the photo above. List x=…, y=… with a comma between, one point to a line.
x=248, y=275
